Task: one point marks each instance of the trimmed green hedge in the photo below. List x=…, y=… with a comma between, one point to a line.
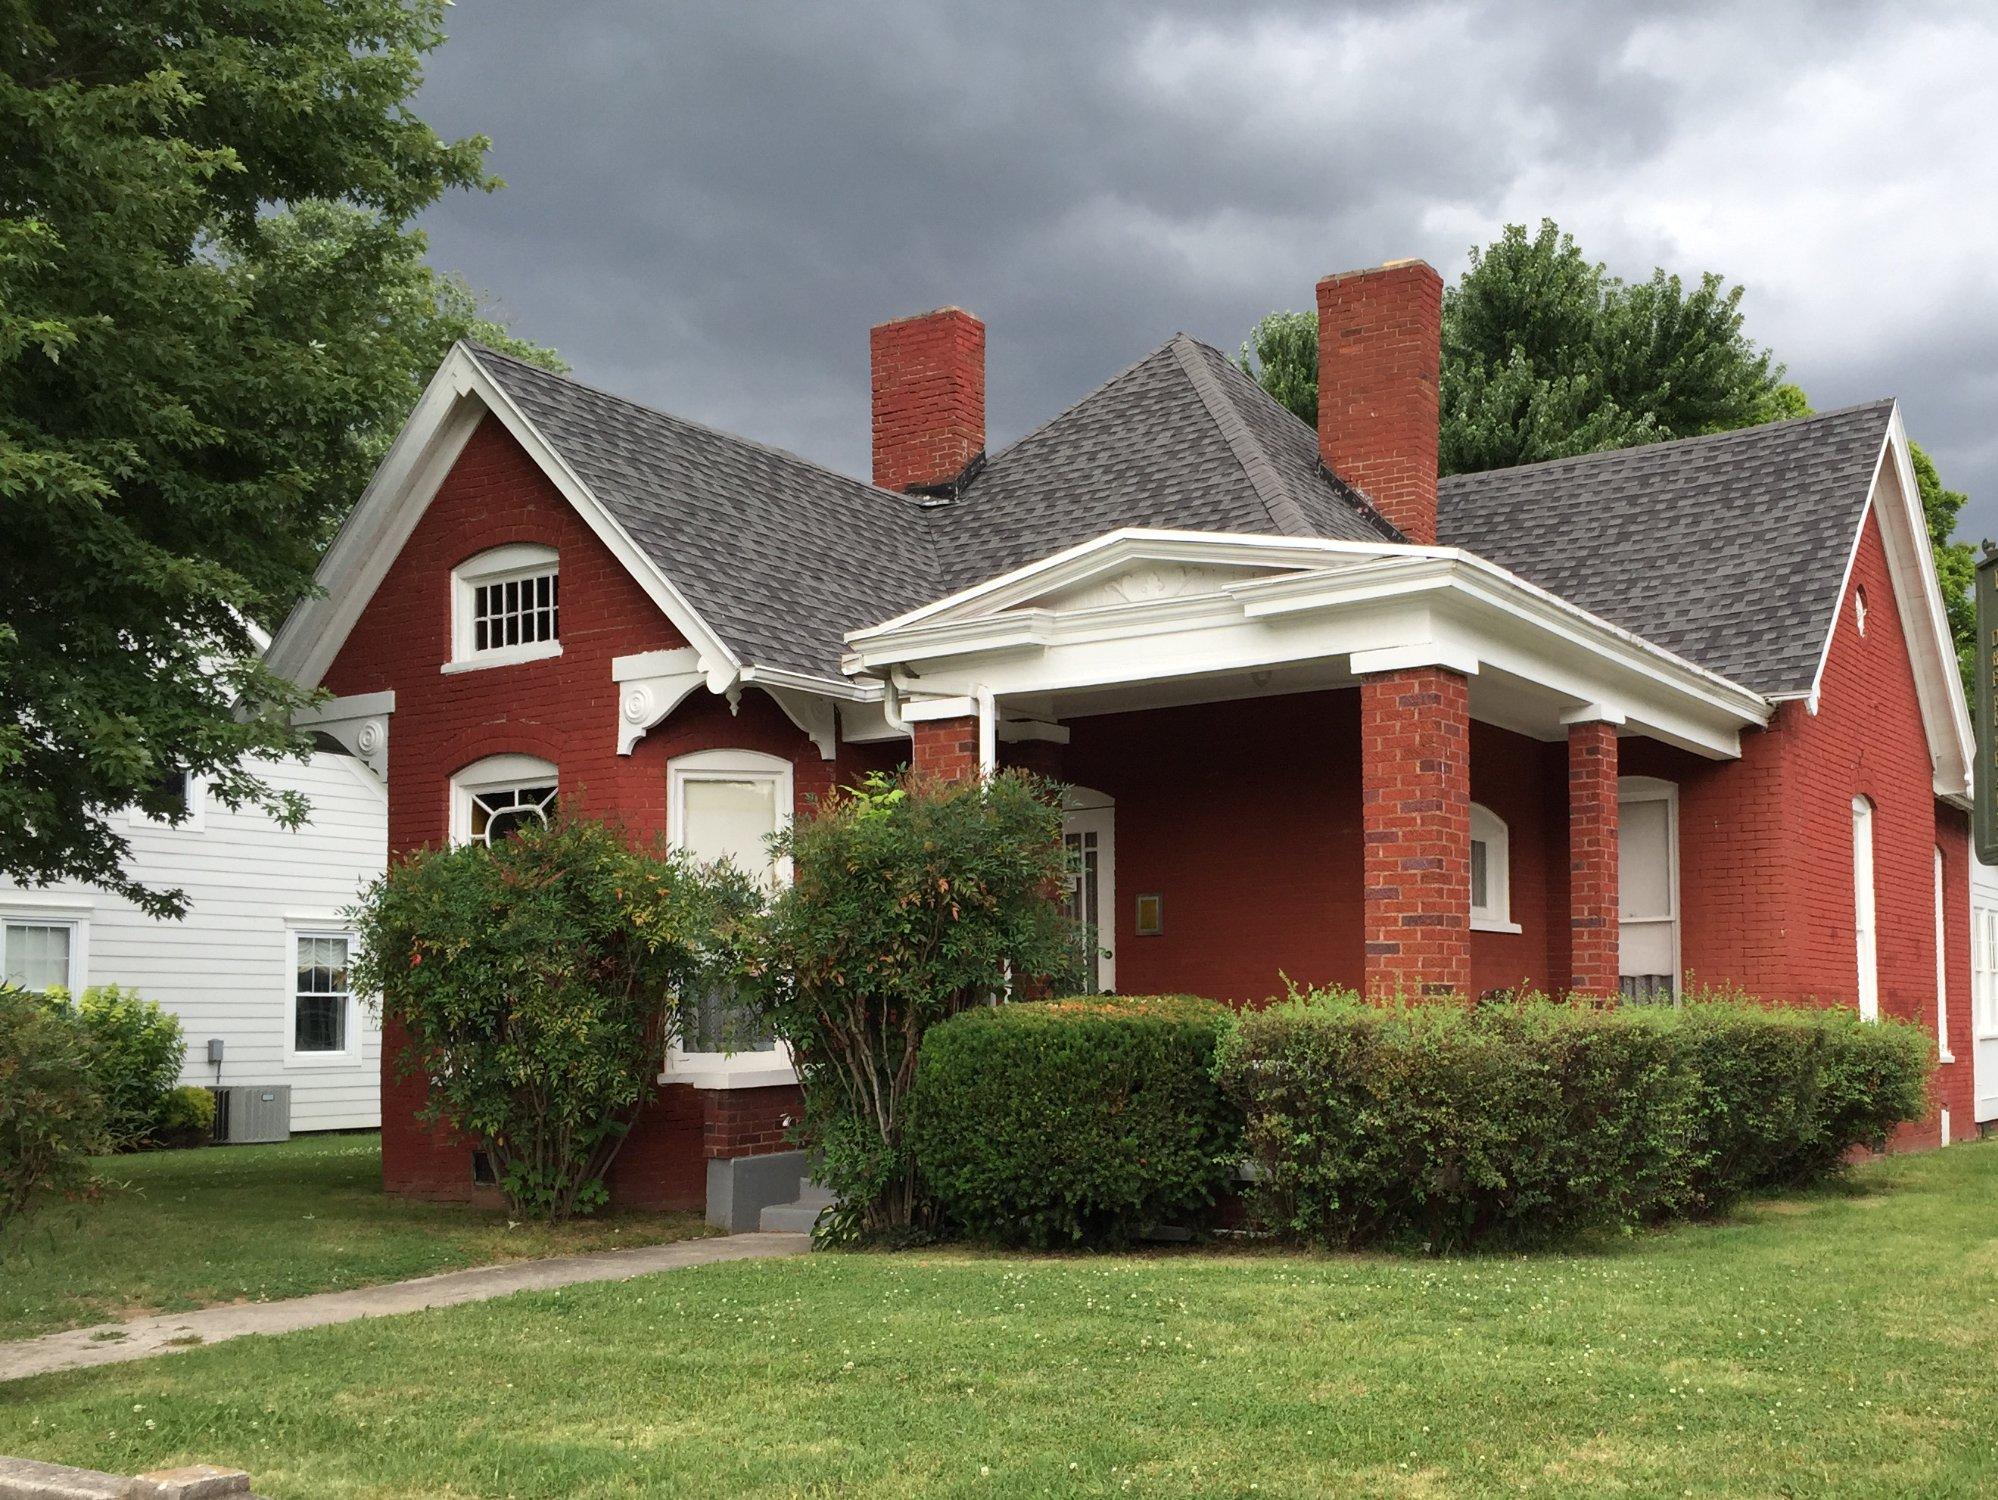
x=1441, y=1126
x=1074, y=1122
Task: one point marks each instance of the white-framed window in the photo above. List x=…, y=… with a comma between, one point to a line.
x=498, y=795
x=1942, y=967
x=1864, y=910
x=505, y=607
x=1647, y=884
x=180, y=792
x=1859, y=608
x=726, y=804
x=44, y=948
x=322, y=1019
x=1491, y=872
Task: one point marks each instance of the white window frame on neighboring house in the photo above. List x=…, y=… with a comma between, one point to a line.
x=496, y=773
x=350, y=1052
x=769, y=1066
x=517, y=562
x=197, y=809
x=1495, y=913
x=24, y=910
x=1865, y=909
x=1943, y=1053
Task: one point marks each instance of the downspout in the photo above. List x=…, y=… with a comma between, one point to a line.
x=891, y=706
x=988, y=732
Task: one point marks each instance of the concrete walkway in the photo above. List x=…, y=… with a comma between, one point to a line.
x=167, y=1333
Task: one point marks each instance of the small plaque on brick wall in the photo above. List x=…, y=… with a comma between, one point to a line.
x=1150, y=920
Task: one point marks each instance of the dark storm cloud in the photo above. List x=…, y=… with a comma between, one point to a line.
x=709, y=204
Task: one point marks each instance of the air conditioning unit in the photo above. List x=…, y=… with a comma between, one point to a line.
x=250, y=1113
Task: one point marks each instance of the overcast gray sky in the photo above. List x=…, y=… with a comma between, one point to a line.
x=709, y=203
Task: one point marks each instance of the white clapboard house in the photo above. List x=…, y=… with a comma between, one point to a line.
x=259, y=965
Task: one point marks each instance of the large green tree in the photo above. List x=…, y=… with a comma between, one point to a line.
x=1547, y=355
x=193, y=380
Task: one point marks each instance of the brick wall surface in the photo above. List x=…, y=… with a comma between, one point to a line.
x=929, y=397
x=1592, y=859
x=563, y=709
x=1379, y=351
x=1415, y=798
x=1765, y=843
x=945, y=748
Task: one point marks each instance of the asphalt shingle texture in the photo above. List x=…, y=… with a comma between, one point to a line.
x=1144, y=449
x=779, y=556
x=1729, y=550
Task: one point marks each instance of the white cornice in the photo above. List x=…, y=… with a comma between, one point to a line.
x=1370, y=605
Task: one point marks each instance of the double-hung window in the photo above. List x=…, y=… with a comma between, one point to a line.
x=726, y=805
x=41, y=952
x=505, y=607
x=323, y=1027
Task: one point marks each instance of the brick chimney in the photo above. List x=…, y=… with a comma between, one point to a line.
x=929, y=397
x=1380, y=336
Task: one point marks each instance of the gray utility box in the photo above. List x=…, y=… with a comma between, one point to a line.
x=257, y=1112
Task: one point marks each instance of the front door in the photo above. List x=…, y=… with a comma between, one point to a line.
x=1088, y=836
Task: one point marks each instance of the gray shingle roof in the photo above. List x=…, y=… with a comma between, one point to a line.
x=1182, y=439
x=1729, y=550
x=779, y=556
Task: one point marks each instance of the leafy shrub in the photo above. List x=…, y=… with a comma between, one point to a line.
x=1071, y=1122
x=1446, y=1125
x=135, y=1051
x=537, y=981
x=51, y=1114
x=1787, y=1092
x=187, y=1118
x=1443, y=1125
x=913, y=899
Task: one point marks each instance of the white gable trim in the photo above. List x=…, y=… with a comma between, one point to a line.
x=1904, y=534
x=459, y=395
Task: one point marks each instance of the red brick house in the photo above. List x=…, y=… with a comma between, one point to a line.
x=1591, y=725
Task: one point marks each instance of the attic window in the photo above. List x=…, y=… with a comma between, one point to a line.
x=505, y=607
x=1859, y=608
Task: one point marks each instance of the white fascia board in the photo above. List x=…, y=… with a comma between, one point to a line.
x=1112, y=549
x=367, y=544
x=373, y=534
x=1904, y=536
x=805, y=682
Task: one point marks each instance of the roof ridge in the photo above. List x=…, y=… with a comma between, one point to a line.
x=906, y=502
x=1081, y=401
x=1255, y=460
x=1733, y=433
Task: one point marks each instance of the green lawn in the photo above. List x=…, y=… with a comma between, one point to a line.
x=182, y=1229
x=1838, y=1344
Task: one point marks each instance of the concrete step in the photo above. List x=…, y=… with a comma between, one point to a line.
x=789, y=1218
x=798, y=1216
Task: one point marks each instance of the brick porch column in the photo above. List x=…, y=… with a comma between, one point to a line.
x=1594, y=919
x=1415, y=816
x=947, y=748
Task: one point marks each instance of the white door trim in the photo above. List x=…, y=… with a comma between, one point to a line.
x=1085, y=811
